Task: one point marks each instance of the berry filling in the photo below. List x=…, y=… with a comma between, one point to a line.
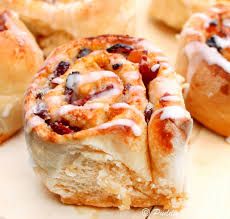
x=83, y=52
x=61, y=68
x=148, y=73
x=120, y=48
x=2, y=22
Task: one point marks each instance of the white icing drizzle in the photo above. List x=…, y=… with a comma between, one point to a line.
x=226, y=22
x=68, y=108
x=172, y=98
x=172, y=112
x=155, y=67
x=126, y=106
x=197, y=51
x=222, y=42
x=56, y=99
x=132, y=75
x=109, y=93
x=117, y=60
x=123, y=122
x=58, y=80
x=7, y=109
x=33, y=122
x=91, y=77
x=136, y=88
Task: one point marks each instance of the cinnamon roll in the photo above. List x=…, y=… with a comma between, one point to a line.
x=203, y=59
x=106, y=125
x=20, y=59
x=57, y=21
x=175, y=13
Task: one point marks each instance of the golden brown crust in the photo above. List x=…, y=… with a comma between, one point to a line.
x=20, y=58
x=91, y=93
x=56, y=22
x=204, y=60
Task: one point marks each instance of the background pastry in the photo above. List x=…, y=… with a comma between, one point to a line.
x=86, y=120
x=203, y=58
x=176, y=12
x=62, y=20
x=20, y=59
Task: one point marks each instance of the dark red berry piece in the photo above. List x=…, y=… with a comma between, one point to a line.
x=146, y=71
x=120, y=48
x=3, y=22
x=60, y=128
x=213, y=23
x=82, y=102
x=61, y=68
x=211, y=42
x=116, y=66
x=83, y=52
x=148, y=112
x=41, y=111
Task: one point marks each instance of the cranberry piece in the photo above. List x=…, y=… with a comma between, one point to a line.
x=148, y=73
x=108, y=87
x=116, y=66
x=39, y=96
x=61, y=68
x=81, y=102
x=60, y=128
x=3, y=22
x=41, y=111
x=120, y=48
x=83, y=52
x=148, y=112
x=211, y=42
x=213, y=23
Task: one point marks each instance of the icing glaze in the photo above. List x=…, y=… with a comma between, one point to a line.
x=172, y=112
x=197, y=51
x=77, y=79
x=33, y=122
x=172, y=98
x=58, y=80
x=222, y=42
x=132, y=75
x=123, y=122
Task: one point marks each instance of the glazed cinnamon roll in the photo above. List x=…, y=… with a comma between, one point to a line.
x=20, y=58
x=57, y=21
x=106, y=124
x=203, y=59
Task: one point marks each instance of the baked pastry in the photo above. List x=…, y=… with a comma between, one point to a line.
x=175, y=13
x=20, y=58
x=55, y=22
x=203, y=58
x=87, y=115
